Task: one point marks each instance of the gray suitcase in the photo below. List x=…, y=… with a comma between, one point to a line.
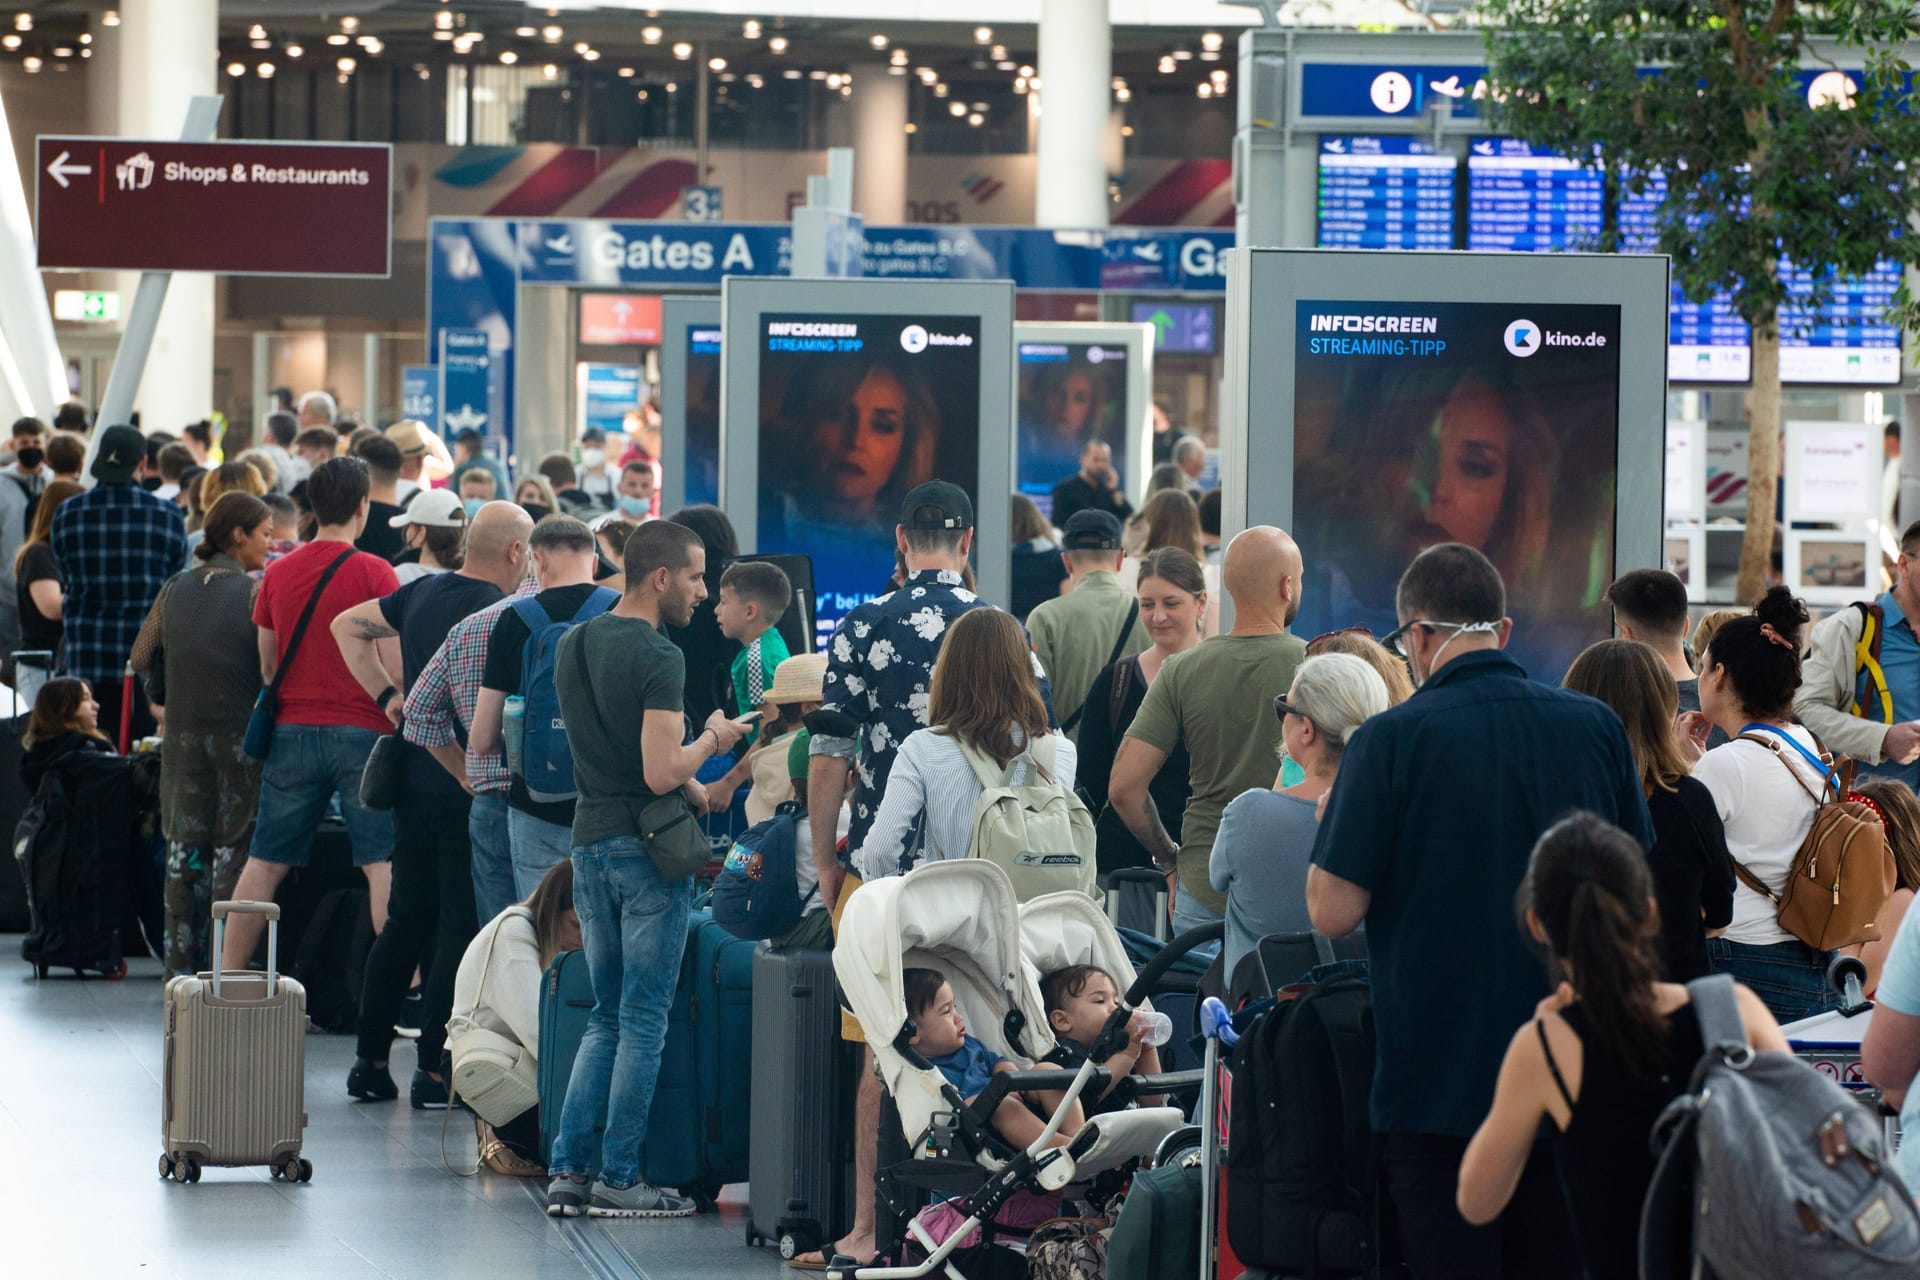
x=800, y=1165
x=234, y=1089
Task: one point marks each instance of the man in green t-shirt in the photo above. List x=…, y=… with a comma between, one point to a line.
x=1217, y=698
x=621, y=689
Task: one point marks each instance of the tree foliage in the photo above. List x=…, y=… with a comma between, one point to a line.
x=1711, y=97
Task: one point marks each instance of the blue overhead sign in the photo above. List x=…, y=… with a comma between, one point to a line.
x=464, y=361
x=419, y=392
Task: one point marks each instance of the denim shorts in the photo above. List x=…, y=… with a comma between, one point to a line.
x=1789, y=977
x=309, y=765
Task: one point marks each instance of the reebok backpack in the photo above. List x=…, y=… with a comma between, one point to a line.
x=1039, y=833
x=1767, y=1170
x=1301, y=1182
x=546, y=759
x=757, y=893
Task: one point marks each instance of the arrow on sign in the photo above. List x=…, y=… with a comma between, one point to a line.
x=1163, y=323
x=621, y=310
x=60, y=169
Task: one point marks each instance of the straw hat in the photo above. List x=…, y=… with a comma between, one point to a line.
x=801, y=679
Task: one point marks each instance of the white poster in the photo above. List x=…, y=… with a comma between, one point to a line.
x=1832, y=472
x=1686, y=472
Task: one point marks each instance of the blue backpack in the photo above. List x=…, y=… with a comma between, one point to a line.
x=546, y=759
x=757, y=894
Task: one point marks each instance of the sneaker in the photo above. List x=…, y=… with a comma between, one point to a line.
x=566, y=1197
x=408, y=1023
x=637, y=1201
x=427, y=1093
x=371, y=1082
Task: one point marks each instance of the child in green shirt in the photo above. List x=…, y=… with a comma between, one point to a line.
x=753, y=595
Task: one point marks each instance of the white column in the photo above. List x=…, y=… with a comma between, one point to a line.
x=169, y=50
x=880, y=145
x=1076, y=73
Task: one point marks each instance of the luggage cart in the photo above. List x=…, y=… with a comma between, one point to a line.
x=1830, y=1042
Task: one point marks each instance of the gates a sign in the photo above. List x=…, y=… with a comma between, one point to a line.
x=240, y=208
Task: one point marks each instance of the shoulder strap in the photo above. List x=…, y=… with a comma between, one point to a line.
x=598, y=601
x=1113, y=656
x=306, y=616
x=1559, y=1081
x=1828, y=776
x=1753, y=881
x=983, y=768
x=531, y=613
x=1866, y=663
x=1717, y=1010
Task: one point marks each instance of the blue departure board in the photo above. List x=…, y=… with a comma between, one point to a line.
x=1850, y=340
x=1385, y=193
x=1523, y=200
x=1706, y=341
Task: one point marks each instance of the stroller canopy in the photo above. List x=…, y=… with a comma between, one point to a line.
x=1060, y=930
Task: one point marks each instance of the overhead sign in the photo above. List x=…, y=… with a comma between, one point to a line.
x=702, y=204
x=619, y=319
x=239, y=208
x=86, y=306
x=464, y=362
x=419, y=391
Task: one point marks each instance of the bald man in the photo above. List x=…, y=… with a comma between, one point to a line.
x=1217, y=699
x=431, y=915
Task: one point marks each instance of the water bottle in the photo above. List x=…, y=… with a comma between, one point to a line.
x=1159, y=1027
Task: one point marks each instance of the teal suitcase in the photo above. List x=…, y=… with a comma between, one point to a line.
x=1155, y=1233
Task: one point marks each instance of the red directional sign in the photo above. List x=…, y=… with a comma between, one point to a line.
x=240, y=208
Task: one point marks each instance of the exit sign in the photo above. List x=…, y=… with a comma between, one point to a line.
x=76, y=304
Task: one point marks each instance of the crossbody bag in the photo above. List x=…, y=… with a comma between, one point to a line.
x=266, y=708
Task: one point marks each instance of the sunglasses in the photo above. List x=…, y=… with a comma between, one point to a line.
x=1318, y=643
x=1282, y=709
x=1396, y=640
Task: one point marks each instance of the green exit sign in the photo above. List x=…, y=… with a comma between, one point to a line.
x=86, y=306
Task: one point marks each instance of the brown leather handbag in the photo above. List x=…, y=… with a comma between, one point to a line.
x=1843, y=873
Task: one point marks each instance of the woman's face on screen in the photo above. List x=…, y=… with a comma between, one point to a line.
x=1071, y=403
x=1475, y=438
x=858, y=449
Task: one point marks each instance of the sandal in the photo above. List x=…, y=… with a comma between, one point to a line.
x=502, y=1159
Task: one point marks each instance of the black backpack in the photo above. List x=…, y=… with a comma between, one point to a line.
x=332, y=960
x=1302, y=1168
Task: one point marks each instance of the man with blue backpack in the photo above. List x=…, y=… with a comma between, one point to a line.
x=517, y=706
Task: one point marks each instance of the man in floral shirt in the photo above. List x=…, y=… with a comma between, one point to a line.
x=879, y=670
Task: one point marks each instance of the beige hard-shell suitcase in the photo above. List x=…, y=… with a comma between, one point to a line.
x=234, y=1089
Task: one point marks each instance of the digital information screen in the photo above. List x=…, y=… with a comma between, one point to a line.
x=1706, y=341
x=1850, y=342
x=1180, y=328
x=1070, y=392
x=854, y=412
x=1491, y=424
x=703, y=414
x=1529, y=201
x=1385, y=193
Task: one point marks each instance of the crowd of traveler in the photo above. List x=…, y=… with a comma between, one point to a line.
x=548, y=676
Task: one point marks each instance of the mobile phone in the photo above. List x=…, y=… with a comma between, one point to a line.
x=752, y=717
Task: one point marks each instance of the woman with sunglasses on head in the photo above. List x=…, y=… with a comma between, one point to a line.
x=1260, y=855
x=1764, y=781
x=1173, y=599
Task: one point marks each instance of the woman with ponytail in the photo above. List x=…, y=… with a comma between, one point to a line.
x=1604, y=1054
x=1764, y=781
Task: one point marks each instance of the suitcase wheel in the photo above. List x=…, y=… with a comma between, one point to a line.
x=294, y=1169
x=166, y=1166
x=795, y=1242
x=185, y=1169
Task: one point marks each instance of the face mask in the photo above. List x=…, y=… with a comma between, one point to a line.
x=473, y=505
x=635, y=506
x=31, y=458
x=592, y=458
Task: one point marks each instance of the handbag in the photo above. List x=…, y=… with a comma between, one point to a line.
x=383, y=779
x=493, y=1074
x=258, y=742
x=1072, y=722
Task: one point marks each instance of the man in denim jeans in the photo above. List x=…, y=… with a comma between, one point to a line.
x=620, y=683
x=326, y=724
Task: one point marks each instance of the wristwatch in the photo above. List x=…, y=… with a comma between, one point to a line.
x=386, y=695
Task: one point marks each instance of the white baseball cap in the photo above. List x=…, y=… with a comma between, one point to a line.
x=440, y=508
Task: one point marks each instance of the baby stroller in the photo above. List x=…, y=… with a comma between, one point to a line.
x=961, y=919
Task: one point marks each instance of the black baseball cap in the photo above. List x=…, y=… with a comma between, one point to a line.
x=937, y=504
x=1091, y=531
x=122, y=449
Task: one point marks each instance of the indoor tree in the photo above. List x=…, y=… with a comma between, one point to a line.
x=1771, y=153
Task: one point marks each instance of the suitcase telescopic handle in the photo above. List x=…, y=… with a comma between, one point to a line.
x=271, y=910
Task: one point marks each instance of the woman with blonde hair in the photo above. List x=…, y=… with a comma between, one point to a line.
x=984, y=700
x=228, y=477
x=1357, y=642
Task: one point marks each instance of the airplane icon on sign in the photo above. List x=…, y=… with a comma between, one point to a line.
x=1448, y=88
x=466, y=419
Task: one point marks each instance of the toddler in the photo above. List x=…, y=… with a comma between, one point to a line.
x=1079, y=1000
x=940, y=1034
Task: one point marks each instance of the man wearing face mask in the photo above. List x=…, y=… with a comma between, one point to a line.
x=25, y=478
x=1425, y=840
x=597, y=480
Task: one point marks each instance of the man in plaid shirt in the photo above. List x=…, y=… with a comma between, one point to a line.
x=117, y=544
x=439, y=711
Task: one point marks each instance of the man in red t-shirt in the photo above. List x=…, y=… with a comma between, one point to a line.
x=326, y=724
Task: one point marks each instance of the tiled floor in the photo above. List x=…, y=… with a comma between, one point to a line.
x=80, y=1138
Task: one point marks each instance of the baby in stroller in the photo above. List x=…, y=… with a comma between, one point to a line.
x=970, y=1066
x=960, y=921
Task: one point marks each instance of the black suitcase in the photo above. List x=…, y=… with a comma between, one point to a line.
x=78, y=848
x=801, y=1164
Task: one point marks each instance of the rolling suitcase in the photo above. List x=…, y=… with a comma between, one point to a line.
x=799, y=1190
x=566, y=999
x=235, y=1075
x=722, y=1011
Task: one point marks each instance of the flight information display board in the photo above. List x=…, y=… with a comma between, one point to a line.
x=1524, y=200
x=1385, y=193
x=1848, y=342
x=1706, y=341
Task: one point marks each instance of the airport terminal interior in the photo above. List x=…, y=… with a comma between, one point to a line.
x=742, y=582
